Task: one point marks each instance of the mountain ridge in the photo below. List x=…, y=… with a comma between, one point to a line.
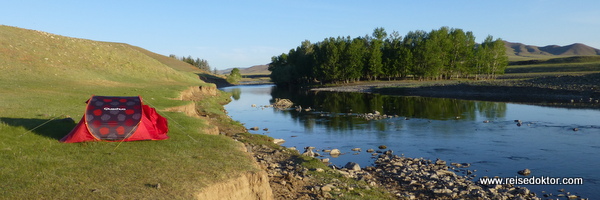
x=252, y=70
x=520, y=51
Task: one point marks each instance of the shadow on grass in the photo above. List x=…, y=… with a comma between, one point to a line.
x=210, y=78
x=55, y=129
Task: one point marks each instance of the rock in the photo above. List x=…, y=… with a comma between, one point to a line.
x=254, y=128
x=442, y=191
x=253, y=105
x=575, y=129
x=265, y=129
x=319, y=170
x=524, y=172
x=335, y=152
x=389, y=152
x=524, y=191
x=325, y=160
x=486, y=121
x=278, y=141
x=352, y=166
x=440, y=162
x=370, y=150
x=283, y=103
x=356, y=149
x=308, y=152
x=382, y=147
x=327, y=188
x=444, y=173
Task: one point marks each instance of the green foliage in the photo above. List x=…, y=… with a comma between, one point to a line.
x=234, y=76
x=439, y=54
x=200, y=63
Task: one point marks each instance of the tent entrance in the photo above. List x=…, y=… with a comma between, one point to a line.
x=113, y=118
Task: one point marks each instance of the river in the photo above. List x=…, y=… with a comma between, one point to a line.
x=551, y=142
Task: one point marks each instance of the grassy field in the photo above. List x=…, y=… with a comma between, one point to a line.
x=45, y=78
x=577, y=65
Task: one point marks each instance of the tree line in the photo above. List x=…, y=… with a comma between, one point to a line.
x=444, y=53
x=197, y=62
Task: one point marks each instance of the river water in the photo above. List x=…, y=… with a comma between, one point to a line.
x=450, y=129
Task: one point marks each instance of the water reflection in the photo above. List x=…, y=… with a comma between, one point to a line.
x=338, y=110
x=236, y=93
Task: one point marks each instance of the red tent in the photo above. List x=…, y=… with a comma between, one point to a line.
x=110, y=118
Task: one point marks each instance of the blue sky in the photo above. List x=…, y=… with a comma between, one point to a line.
x=245, y=33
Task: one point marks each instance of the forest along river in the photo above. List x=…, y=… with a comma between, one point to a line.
x=450, y=129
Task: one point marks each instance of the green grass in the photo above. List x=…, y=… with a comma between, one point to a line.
x=559, y=67
x=46, y=78
x=576, y=65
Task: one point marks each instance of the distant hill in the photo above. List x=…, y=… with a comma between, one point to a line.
x=519, y=51
x=254, y=70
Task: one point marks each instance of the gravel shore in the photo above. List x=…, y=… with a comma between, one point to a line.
x=400, y=177
x=563, y=91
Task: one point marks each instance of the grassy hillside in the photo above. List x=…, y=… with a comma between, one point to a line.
x=45, y=78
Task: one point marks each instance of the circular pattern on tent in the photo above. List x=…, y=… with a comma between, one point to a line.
x=113, y=118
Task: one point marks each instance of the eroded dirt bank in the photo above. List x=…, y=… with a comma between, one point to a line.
x=252, y=185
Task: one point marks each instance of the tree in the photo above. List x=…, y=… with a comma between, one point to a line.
x=280, y=70
x=373, y=54
x=414, y=42
x=200, y=63
x=234, y=76
x=491, y=58
x=392, y=55
x=327, y=66
x=435, y=52
x=499, y=59
x=442, y=53
x=460, y=54
x=353, y=59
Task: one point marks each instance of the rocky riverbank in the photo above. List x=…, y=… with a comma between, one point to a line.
x=398, y=176
x=562, y=91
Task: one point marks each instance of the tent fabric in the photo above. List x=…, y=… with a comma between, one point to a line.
x=111, y=118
